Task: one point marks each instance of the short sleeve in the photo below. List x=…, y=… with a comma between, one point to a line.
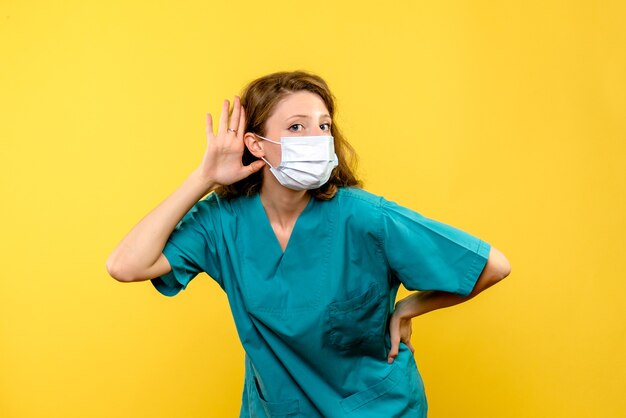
x=190, y=249
x=425, y=254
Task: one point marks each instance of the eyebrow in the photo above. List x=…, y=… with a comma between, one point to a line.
x=306, y=116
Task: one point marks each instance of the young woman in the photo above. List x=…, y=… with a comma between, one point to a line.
x=310, y=262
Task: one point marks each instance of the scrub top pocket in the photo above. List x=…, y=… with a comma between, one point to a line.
x=313, y=317
x=358, y=323
x=286, y=409
x=375, y=401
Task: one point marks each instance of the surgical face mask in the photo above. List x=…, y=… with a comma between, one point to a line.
x=306, y=161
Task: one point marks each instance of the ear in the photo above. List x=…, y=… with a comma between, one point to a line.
x=254, y=145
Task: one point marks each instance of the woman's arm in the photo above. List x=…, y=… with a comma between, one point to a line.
x=419, y=303
x=139, y=255
x=134, y=257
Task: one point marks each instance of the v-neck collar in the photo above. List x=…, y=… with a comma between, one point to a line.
x=268, y=225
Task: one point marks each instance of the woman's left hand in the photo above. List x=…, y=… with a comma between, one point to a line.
x=400, y=330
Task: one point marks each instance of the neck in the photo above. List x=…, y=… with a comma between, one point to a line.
x=281, y=204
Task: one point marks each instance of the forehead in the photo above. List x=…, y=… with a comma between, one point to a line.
x=302, y=103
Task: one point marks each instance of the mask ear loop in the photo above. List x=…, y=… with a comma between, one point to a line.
x=273, y=142
x=262, y=137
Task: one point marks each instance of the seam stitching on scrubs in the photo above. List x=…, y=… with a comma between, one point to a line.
x=368, y=198
x=472, y=271
x=381, y=228
x=210, y=239
x=175, y=267
x=382, y=235
x=374, y=392
x=378, y=203
x=193, y=220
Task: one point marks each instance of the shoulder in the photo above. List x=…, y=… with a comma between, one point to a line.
x=359, y=198
x=358, y=209
x=216, y=205
x=209, y=210
x=207, y=206
x=371, y=208
x=212, y=213
x=362, y=201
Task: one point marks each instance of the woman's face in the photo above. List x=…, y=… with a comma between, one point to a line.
x=299, y=114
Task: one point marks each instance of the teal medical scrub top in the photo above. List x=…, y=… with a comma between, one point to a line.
x=313, y=320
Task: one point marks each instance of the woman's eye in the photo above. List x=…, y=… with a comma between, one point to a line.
x=327, y=125
x=296, y=127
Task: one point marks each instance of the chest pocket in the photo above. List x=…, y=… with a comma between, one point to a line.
x=358, y=323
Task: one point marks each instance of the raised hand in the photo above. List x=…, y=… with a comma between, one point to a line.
x=221, y=164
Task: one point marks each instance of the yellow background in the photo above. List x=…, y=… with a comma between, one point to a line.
x=504, y=119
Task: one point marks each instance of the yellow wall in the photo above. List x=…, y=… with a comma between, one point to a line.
x=505, y=119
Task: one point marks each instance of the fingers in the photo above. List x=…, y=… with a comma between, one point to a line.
x=209, y=125
x=393, y=353
x=394, y=335
x=231, y=123
x=408, y=344
x=255, y=166
x=223, y=118
x=234, y=118
x=241, y=128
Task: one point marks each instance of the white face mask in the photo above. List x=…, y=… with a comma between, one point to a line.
x=306, y=161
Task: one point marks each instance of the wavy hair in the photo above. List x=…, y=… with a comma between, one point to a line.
x=259, y=98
